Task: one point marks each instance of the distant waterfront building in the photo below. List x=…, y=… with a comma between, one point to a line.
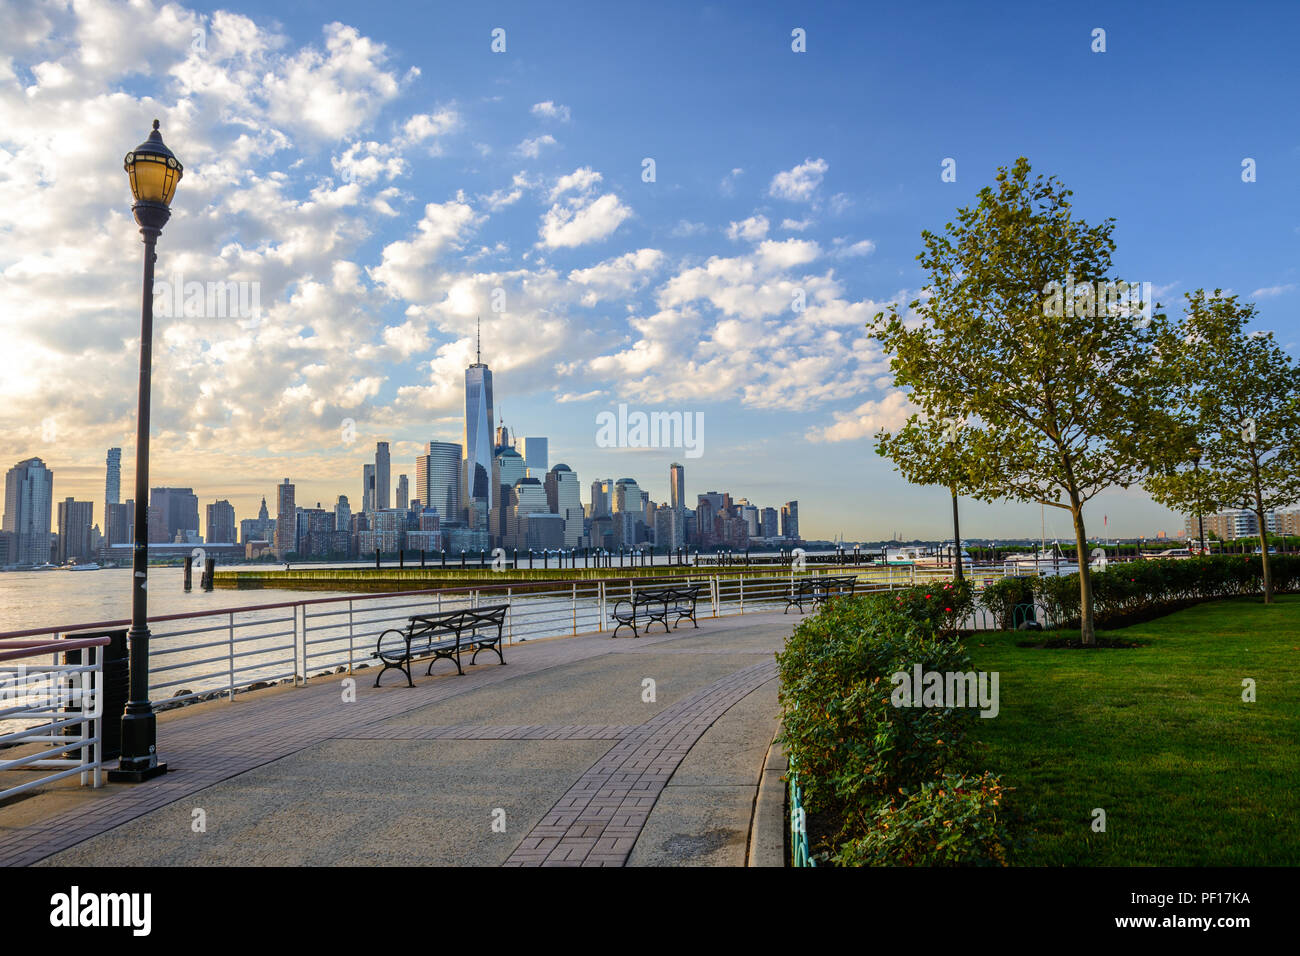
x=437, y=478
x=261, y=528
x=676, y=486
x=220, y=524
x=367, y=488
x=564, y=498
x=178, y=511
x=670, y=528
x=629, y=497
x=771, y=529
x=76, y=519
x=508, y=470
x=601, y=491
x=342, y=514
x=383, y=486
x=790, y=520
x=29, y=501
x=477, y=493
x=1241, y=523
x=119, y=523
x=315, y=532
x=112, y=478
x=535, y=457
x=286, y=521
x=403, y=493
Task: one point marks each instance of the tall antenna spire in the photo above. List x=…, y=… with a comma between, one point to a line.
x=478, y=342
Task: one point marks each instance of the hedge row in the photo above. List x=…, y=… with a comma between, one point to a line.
x=888, y=785
x=1140, y=590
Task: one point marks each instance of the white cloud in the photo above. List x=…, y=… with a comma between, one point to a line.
x=752, y=229
x=532, y=148
x=796, y=225
x=685, y=229
x=888, y=413
x=846, y=250
x=581, y=222
x=550, y=110
x=583, y=180
x=405, y=269
x=799, y=184
x=728, y=184
x=1273, y=290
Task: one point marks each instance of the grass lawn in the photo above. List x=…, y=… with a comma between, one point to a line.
x=1158, y=736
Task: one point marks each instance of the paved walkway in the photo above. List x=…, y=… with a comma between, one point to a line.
x=581, y=751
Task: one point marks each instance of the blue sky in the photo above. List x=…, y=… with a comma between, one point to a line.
x=378, y=170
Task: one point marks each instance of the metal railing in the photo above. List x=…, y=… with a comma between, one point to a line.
x=218, y=653
x=50, y=711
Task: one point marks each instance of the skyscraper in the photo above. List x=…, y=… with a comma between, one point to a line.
x=437, y=479
x=29, y=499
x=535, y=457
x=76, y=518
x=220, y=525
x=342, y=514
x=676, y=486
x=600, y=497
x=403, y=494
x=367, y=488
x=476, y=485
x=113, y=478
x=790, y=520
x=286, y=519
x=564, y=499
x=383, y=484
x=178, y=510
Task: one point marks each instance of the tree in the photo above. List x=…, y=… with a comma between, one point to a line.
x=1239, y=401
x=1024, y=338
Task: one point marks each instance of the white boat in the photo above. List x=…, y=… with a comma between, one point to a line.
x=92, y=566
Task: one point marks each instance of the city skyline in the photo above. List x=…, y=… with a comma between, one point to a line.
x=439, y=188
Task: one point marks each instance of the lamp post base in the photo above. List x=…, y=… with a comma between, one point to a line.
x=124, y=775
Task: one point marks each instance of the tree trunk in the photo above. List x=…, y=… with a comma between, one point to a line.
x=1263, y=533
x=958, y=571
x=1087, y=631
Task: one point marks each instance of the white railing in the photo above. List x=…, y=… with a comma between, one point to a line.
x=218, y=653
x=51, y=711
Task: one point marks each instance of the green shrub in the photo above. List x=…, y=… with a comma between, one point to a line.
x=854, y=748
x=1002, y=597
x=941, y=606
x=948, y=822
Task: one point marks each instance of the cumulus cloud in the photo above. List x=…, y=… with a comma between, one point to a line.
x=549, y=110
x=532, y=148
x=580, y=221
x=800, y=183
x=752, y=229
x=888, y=413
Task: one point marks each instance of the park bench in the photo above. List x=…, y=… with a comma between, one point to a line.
x=819, y=589
x=647, y=605
x=683, y=600
x=441, y=636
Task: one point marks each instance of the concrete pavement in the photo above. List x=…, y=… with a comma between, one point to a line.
x=580, y=751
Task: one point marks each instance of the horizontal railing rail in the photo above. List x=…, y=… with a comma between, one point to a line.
x=51, y=711
x=221, y=652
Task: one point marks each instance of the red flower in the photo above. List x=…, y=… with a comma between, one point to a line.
x=927, y=597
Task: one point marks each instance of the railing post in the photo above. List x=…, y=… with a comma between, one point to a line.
x=230, y=662
x=574, y=606
x=510, y=617
x=350, y=635
x=742, y=594
x=600, y=602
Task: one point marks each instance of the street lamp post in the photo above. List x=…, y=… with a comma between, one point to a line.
x=1200, y=518
x=153, y=171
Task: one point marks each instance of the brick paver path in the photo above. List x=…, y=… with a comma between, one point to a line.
x=598, y=821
